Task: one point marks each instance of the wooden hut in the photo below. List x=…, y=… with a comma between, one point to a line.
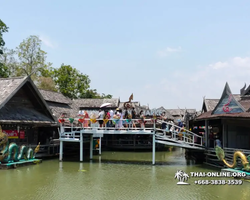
x=228, y=120
x=24, y=114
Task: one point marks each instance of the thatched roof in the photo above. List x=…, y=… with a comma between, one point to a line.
x=208, y=115
x=239, y=106
x=58, y=109
x=178, y=112
x=57, y=97
x=8, y=87
x=20, y=101
x=10, y=114
x=95, y=103
x=210, y=104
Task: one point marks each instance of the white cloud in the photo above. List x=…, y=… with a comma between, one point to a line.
x=186, y=89
x=168, y=51
x=47, y=42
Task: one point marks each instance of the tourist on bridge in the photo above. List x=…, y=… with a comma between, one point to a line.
x=142, y=118
x=107, y=116
x=120, y=125
x=163, y=124
x=180, y=124
x=133, y=113
x=111, y=113
x=101, y=117
x=86, y=119
x=126, y=117
x=117, y=117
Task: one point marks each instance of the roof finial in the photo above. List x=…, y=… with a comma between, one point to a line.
x=242, y=90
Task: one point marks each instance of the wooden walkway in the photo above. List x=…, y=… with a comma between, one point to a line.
x=185, y=139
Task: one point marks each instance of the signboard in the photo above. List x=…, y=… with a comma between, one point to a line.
x=12, y=134
x=22, y=134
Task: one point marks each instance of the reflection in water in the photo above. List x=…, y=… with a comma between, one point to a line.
x=102, y=180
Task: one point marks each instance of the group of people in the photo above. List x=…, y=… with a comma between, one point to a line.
x=168, y=126
x=125, y=118
x=118, y=119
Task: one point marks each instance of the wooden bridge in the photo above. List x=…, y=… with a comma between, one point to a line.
x=184, y=139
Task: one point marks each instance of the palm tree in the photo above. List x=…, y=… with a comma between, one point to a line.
x=179, y=175
x=185, y=176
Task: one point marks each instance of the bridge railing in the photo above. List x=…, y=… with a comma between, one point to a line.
x=183, y=134
x=73, y=130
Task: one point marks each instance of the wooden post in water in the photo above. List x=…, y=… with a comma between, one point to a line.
x=61, y=143
x=81, y=146
x=100, y=146
x=61, y=151
x=153, y=147
x=91, y=147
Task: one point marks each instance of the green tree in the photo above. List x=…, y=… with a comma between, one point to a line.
x=104, y=96
x=3, y=29
x=71, y=82
x=3, y=69
x=32, y=59
x=92, y=94
x=46, y=83
x=8, y=63
x=4, y=72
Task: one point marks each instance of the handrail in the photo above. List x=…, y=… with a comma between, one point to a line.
x=192, y=133
x=188, y=137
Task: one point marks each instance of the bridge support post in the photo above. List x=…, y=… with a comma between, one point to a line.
x=81, y=146
x=61, y=151
x=153, y=149
x=91, y=147
x=100, y=146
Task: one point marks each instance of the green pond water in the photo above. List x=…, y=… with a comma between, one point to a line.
x=101, y=179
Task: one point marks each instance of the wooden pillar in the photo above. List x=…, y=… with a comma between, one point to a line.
x=61, y=151
x=81, y=146
x=153, y=147
x=91, y=147
x=100, y=146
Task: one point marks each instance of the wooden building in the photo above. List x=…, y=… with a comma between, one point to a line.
x=227, y=120
x=24, y=115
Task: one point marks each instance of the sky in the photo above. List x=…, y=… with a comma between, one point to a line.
x=167, y=53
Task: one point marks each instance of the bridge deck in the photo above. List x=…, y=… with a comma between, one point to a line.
x=184, y=138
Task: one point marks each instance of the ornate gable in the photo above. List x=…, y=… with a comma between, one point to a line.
x=227, y=103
